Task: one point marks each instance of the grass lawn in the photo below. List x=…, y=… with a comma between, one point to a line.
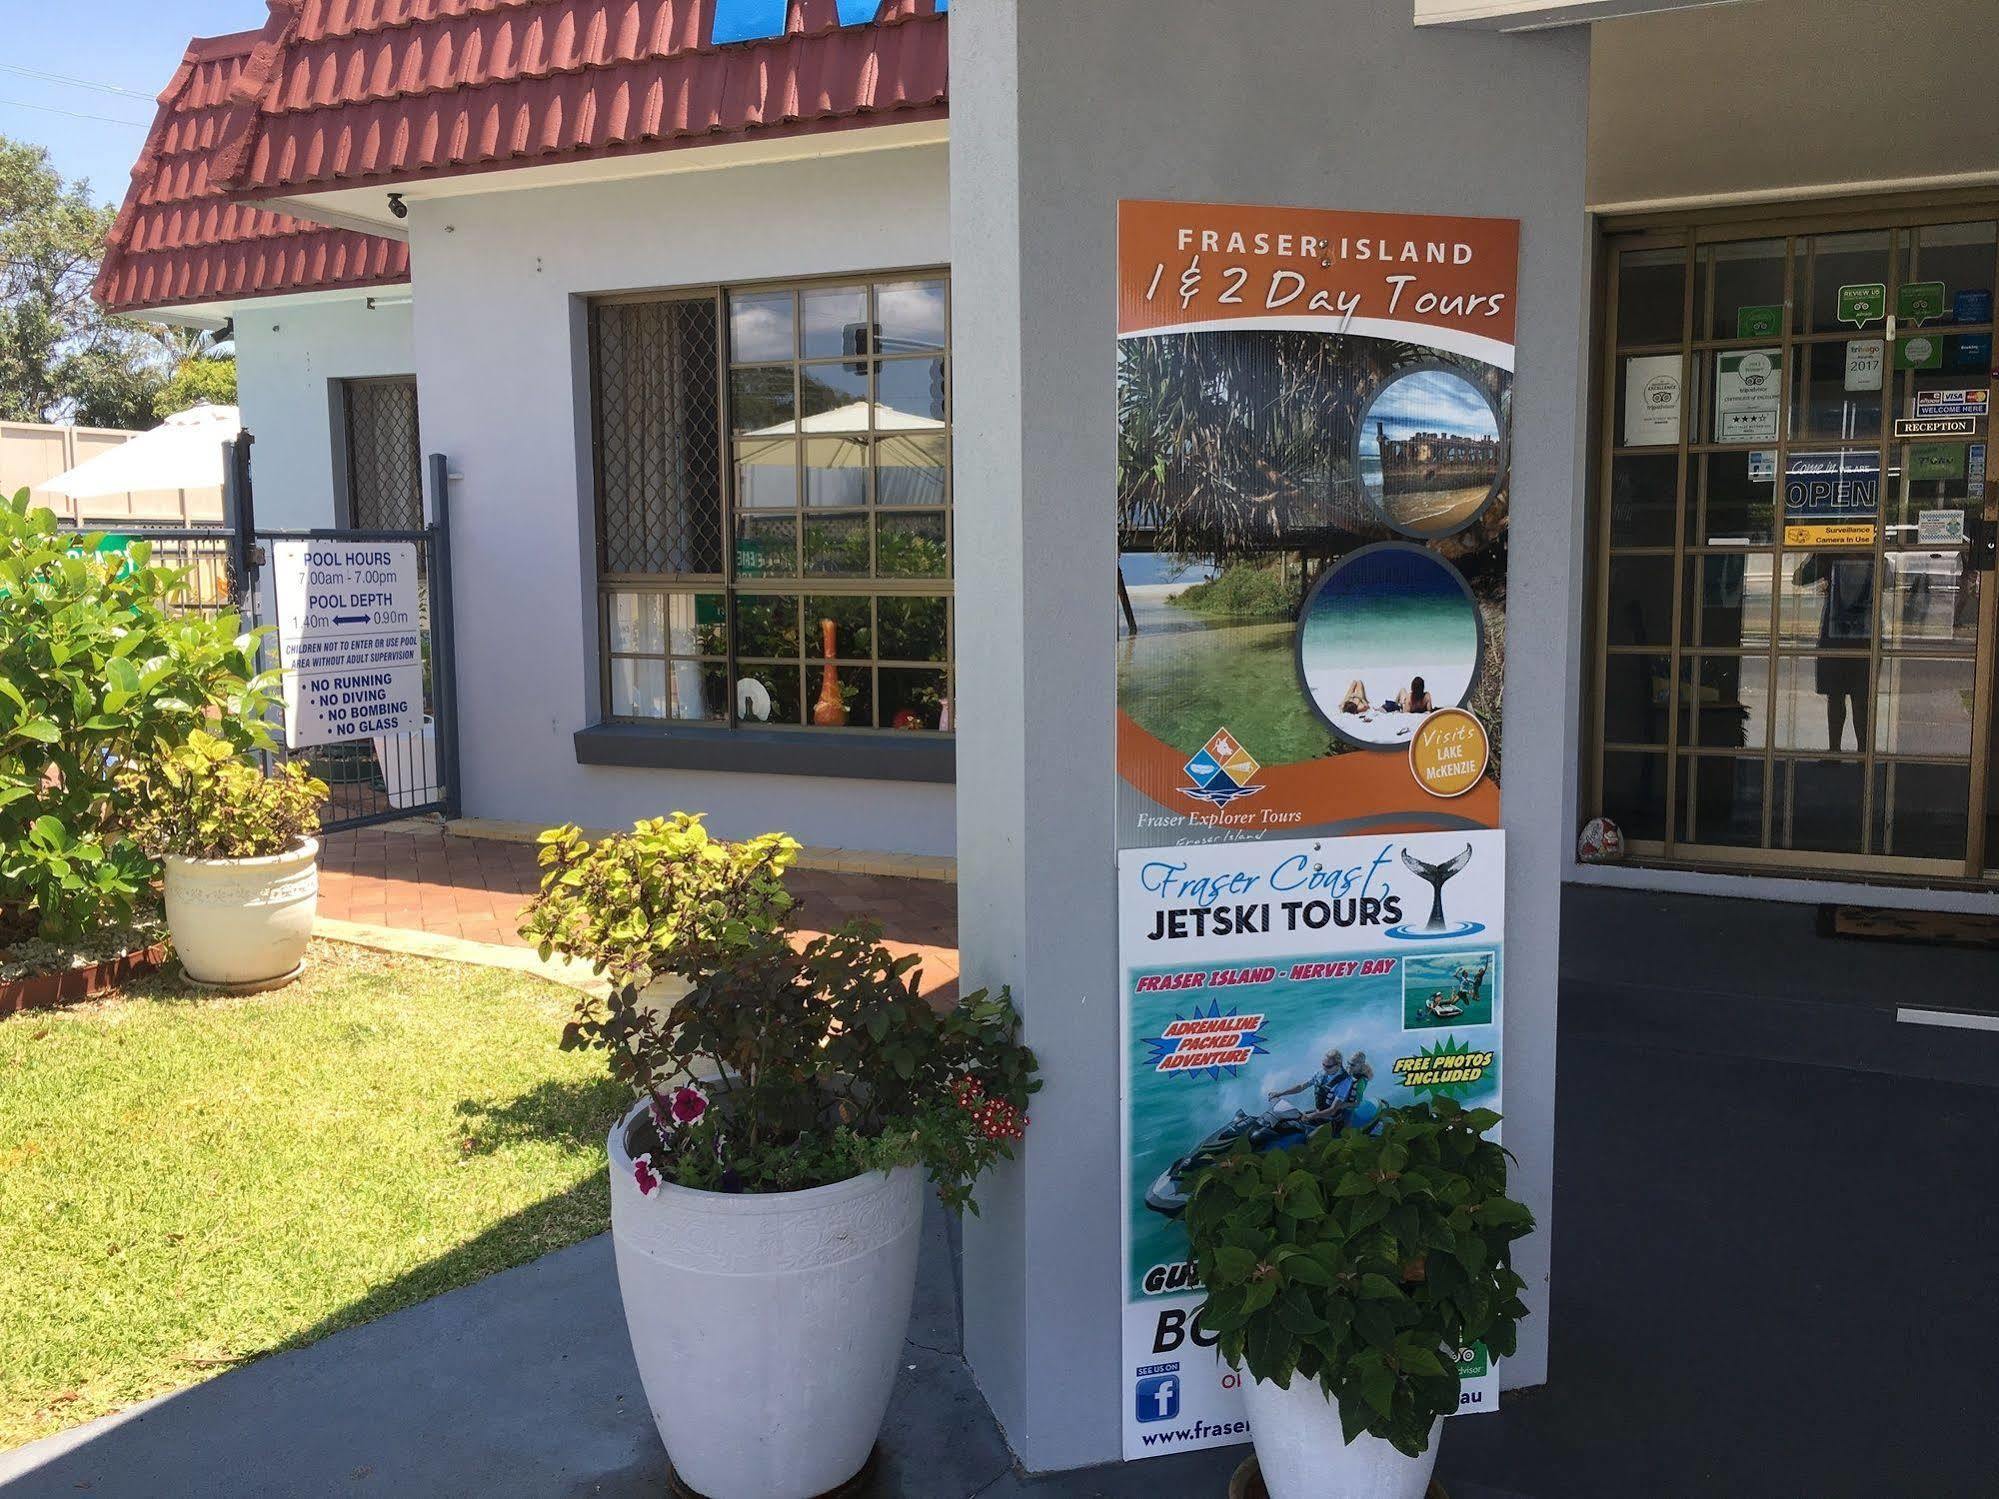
x=187, y=1182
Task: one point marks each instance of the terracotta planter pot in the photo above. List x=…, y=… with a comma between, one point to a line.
x=243, y=921
x=767, y=1327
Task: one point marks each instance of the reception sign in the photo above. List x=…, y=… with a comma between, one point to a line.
x=1271, y=988
x=1314, y=484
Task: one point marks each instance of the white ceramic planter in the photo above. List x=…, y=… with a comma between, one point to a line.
x=767, y=1328
x=409, y=764
x=1303, y=1455
x=242, y=921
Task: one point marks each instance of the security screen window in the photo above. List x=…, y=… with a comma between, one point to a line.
x=1790, y=611
x=774, y=505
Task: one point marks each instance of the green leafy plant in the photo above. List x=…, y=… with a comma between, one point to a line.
x=627, y=904
x=821, y=1058
x=97, y=668
x=199, y=800
x=1259, y=589
x=1366, y=1261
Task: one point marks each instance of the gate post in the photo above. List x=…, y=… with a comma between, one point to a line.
x=239, y=514
x=443, y=652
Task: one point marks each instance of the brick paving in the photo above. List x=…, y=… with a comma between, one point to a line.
x=420, y=878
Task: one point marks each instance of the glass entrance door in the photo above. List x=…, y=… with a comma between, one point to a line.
x=1795, y=612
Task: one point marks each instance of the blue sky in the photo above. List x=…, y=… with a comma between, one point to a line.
x=1433, y=401
x=130, y=44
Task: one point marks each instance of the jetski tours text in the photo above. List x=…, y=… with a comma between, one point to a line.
x=349, y=639
x=1315, y=896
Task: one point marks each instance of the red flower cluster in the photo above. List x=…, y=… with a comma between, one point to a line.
x=996, y=1118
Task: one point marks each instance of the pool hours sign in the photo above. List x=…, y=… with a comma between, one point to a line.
x=349, y=640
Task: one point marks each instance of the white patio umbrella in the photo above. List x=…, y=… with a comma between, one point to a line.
x=836, y=440
x=183, y=452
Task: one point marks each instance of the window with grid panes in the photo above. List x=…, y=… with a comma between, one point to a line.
x=774, y=524
x=1792, y=608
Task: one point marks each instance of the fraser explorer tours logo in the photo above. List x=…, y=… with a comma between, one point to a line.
x=1221, y=771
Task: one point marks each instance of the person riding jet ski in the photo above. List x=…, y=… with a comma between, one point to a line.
x=1336, y=1088
x=1337, y=1091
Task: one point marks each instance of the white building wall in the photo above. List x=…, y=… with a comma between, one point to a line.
x=501, y=281
x=288, y=354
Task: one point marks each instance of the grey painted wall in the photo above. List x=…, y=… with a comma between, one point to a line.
x=1058, y=110
x=1791, y=96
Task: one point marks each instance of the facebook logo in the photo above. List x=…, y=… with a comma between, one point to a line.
x=1157, y=1397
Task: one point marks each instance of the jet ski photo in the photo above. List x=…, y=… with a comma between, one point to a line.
x=1444, y=1006
x=1283, y=1124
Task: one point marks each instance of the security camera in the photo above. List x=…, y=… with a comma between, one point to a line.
x=397, y=207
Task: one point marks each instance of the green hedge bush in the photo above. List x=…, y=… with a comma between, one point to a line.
x=98, y=671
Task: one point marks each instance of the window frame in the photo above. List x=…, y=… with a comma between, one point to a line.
x=341, y=401
x=733, y=585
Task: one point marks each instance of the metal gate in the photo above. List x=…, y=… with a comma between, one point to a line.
x=382, y=778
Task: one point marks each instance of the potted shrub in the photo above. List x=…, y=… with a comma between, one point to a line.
x=240, y=858
x=1347, y=1273
x=99, y=660
x=766, y=1187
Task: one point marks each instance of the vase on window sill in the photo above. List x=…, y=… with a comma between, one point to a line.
x=830, y=711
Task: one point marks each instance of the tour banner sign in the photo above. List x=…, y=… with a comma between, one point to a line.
x=1314, y=414
x=1271, y=988
x=348, y=639
x=1313, y=486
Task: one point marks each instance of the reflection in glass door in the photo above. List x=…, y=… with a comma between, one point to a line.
x=1795, y=616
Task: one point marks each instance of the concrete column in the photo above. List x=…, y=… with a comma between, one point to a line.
x=1058, y=110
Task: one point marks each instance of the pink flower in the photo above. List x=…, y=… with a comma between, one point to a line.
x=689, y=1104
x=644, y=1175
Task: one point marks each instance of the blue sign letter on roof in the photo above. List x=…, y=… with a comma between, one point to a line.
x=748, y=20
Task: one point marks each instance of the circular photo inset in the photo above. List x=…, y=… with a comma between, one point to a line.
x=1389, y=635
x=1428, y=451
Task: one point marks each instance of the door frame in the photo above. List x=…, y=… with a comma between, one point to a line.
x=1690, y=231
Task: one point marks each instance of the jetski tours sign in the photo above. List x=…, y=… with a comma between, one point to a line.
x=1270, y=988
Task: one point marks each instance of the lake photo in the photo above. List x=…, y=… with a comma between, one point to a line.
x=1388, y=636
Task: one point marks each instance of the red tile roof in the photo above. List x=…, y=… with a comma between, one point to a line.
x=346, y=93
x=179, y=240
x=350, y=93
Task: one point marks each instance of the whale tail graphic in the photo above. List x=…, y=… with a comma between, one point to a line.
x=1436, y=874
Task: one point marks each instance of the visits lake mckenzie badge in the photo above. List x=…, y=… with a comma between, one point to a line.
x=1449, y=752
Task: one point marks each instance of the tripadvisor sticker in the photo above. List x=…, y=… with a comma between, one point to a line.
x=1449, y=752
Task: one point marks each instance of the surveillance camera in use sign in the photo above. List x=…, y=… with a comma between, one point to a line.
x=349, y=639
